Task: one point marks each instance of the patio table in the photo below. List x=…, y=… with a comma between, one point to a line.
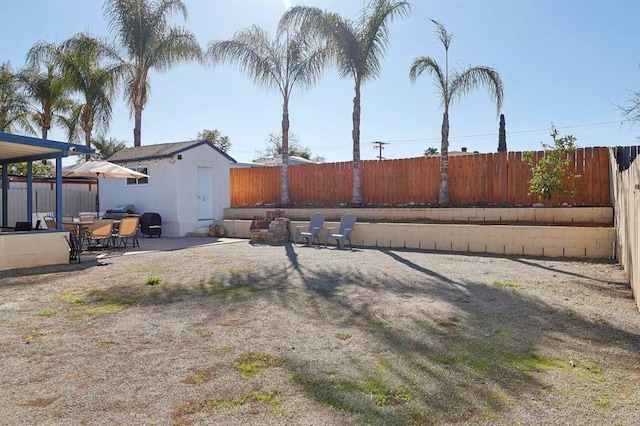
x=77, y=227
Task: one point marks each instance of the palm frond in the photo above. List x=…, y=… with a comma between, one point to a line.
x=14, y=108
x=474, y=77
x=136, y=21
x=177, y=45
x=308, y=68
x=150, y=42
x=71, y=123
x=340, y=34
x=375, y=34
x=357, y=46
x=301, y=16
x=82, y=59
x=42, y=52
x=443, y=35
x=346, y=44
x=253, y=54
x=431, y=66
x=48, y=95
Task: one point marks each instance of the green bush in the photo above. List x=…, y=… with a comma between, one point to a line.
x=550, y=173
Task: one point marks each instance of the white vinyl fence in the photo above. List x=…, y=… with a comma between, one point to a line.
x=44, y=200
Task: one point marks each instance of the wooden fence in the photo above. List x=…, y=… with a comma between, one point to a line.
x=474, y=179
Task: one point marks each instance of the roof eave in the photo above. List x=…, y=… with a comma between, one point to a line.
x=173, y=153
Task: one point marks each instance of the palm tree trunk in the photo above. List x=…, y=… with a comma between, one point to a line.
x=87, y=141
x=443, y=197
x=46, y=118
x=285, y=152
x=46, y=125
x=87, y=127
x=137, y=126
x=357, y=197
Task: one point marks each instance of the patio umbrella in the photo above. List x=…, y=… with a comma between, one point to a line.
x=100, y=169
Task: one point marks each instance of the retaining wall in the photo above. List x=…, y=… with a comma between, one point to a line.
x=527, y=215
x=528, y=236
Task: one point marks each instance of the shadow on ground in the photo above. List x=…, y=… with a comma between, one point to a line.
x=439, y=349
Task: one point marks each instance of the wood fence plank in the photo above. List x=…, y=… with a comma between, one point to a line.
x=597, y=190
x=588, y=173
x=579, y=197
x=605, y=199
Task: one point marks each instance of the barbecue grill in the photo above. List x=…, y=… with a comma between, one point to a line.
x=119, y=211
x=151, y=224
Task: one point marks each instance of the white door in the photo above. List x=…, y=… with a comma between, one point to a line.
x=205, y=199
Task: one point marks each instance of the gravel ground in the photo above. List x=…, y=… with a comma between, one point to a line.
x=225, y=332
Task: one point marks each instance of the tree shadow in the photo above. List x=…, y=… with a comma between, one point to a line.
x=484, y=353
x=437, y=348
x=535, y=262
x=44, y=273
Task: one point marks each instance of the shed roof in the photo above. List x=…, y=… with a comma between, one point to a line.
x=161, y=150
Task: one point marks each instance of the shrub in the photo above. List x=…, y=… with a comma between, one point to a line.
x=550, y=173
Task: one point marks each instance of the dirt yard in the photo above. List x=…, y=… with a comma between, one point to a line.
x=228, y=333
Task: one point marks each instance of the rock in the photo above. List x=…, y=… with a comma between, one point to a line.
x=216, y=231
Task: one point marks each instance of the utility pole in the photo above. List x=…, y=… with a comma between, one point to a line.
x=379, y=145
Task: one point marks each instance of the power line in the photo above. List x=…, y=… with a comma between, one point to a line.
x=517, y=132
x=603, y=124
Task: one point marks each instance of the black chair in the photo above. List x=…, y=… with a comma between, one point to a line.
x=22, y=226
x=75, y=247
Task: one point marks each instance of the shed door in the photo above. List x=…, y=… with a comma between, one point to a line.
x=205, y=199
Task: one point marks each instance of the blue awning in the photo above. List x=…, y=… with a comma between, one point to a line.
x=18, y=149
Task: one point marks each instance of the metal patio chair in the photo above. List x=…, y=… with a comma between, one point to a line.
x=101, y=234
x=128, y=230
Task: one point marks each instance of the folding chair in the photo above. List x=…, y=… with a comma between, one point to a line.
x=128, y=231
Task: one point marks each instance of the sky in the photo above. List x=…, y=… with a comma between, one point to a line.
x=567, y=63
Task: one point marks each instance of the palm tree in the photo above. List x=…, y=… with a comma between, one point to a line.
x=291, y=59
x=149, y=42
x=14, y=107
x=107, y=147
x=451, y=87
x=82, y=61
x=216, y=137
x=50, y=96
x=357, y=47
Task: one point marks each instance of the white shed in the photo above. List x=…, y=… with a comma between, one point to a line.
x=188, y=184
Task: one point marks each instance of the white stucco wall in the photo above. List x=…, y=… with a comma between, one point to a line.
x=172, y=190
x=187, y=192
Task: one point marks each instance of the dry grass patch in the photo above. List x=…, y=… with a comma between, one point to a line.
x=40, y=402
